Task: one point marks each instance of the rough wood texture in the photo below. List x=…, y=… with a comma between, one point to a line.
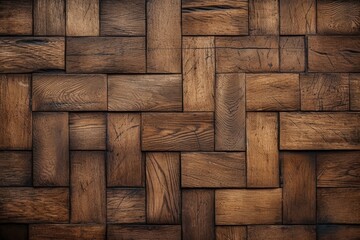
x=264, y=17
x=221, y=17
x=231, y=232
x=82, y=17
x=16, y=17
x=336, y=232
x=49, y=17
x=15, y=168
x=355, y=92
x=66, y=231
x=292, y=54
x=144, y=232
x=284, y=232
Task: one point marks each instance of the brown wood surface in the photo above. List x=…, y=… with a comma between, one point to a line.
x=355, y=92
x=15, y=168
x=281, y=232
x=16, y=17
x=144, y=232
x=264, y=17
x=292, y=54
x=82, y=17
x=49, y=17
x=231, y=232
x=13, y=231
x=66, y=231
x=335, y=232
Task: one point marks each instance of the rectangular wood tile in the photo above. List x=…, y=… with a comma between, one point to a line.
x=105, y=55
x=292, y=54
x=319, y=131
x=49, y=17
x=66, y=231
x=230, y=112
x=15, y=112
x=199, y=73
x=36, y=205
x=51, y=149
x=69, y=92
x=163, y=188
x=213, y=170
x=124, y=160
x=355, y=92
x=215, y=17
x=82, y=17
x=231, y=232
x=274, y=232
x=13, y=231
x=88, y=193
x=264, y=17
x=198, y=214
x=237, y=206
x=262, y=133
x=15, y=168
x=145, y=92
x=335, y=232
x=177, y=131
x=144, y=232
x=247, y=54
x=16, y=17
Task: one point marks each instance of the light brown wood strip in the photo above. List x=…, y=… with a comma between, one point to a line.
x=231, y=233
x=15, y=168
x=264, y=17
x=66, y=231
x=16, y=17
x=292, y=54
x=82, y=17
x=281, y=232
x=144, y=232
x=49, y=17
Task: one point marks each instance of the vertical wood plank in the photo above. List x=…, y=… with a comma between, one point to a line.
x=292, y=54
x=355, y=92
x=264, y=17
x=49, y=17
x=82, y=17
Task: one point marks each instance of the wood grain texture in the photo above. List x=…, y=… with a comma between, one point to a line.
x=247, y=54
x=355, y=92
x=264, y=17
x=15, y=168
x=51, y=149
x=122, y=18
x=281, y=232
x=324, y=92
x=144, y=232
x=105, y=55
x=163, y=36
x=163, y=188
x=88, y=185
x=198, y=214
x=29, y=54
x=213, y=170
x=177, y=131
x=299, y=188
x=125, y=205
x=15, y=112
x=199, y=73
x=69, y=92
x=145, y=92
x=49, y=17
x=292, y=54
x=36, y=205
x=87, y=131
x=66, y=231
x=272, y=92
x=231, y=233
x=262, y=156
x=82, y=17
x=333, y=54
x=124, y=160
x=338, y=169
x=337, y=232
x=220, y=17
x=338, y=205
x=13, y=231
x=16, y=17
x=338, y=17
x=230, y=112
x=297, y=17
x=237, y=206
x=319, y=131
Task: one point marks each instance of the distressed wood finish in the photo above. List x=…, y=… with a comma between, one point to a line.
x=82, y=17
x=264, y=17
x=292, y=54
x=16, y=17
x=282, y=232
x=355, y=92
x=231, y=232
x=49, y=17
x=335, y=232
x=144, y=232
x=66, y=231
x=15, y=168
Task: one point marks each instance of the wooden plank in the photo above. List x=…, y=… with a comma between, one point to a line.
x=15, y=112
x=177, y=131
x=281, y=232
x=231, y=233
x=272, y=92
x=145, y=92
x=338, y=205
x=144, y=232
x=82, y=17
x=338, y=169
x=16, y=17
x=333, y=54
x=69, y=92
x=237, y=206
x=51, y=149
x=49, y=17
x=163, y=36
x=264, y=17
x=87, y=131
x=124, y=159
x=29, y=54
x=198, y=214
x=13, y=231
x=88, y=185
x=324, y=92
x=292, y=54
x=199, y=73
x=338, y=17
x=299, y=188
x=66, y=231
x=355, y=92
x=122, y=18
x=224, y=17
x=163, y=188
x=336, y=232
x=262, y=149
x=36, y=205
x=297, y=17
x=125, y=205
x=319, y=131
x=230, y=112
x=214, y=170
x=15, y=168
x=105, y=55
x=247, y=54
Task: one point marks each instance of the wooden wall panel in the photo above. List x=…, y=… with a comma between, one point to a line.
x=66, y=231
x=15, y=168
x=336, y=232
x=16, y=17
x=355, y=92
x=264, y=17
x=231, y=233
x=281, y=232
x=82, y=17
x=144, y=232
x=13, y=231
x=292, y=54
x=49, y=17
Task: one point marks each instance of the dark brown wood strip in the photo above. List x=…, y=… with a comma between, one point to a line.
x=144, y=232
x=16, y=168
x=82, y=17
x=355, y=92
x=264, y=17
x=16, y=17
x=66, y=231
x=13, y=231
x=49, y=17
x=336, y=232
x=281, y=232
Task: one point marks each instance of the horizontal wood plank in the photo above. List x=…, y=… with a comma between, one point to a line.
x=144, y=232
x=231, y=232
x=66, y=231
x=16, y=168
x=336, y=232
x=283, y=232
x=16, y=17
